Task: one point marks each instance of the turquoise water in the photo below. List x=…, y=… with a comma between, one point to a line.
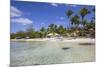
x=48, y=52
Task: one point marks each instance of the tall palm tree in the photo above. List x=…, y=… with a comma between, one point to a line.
x=83, y=12
x=69, y=13
x=75, y=20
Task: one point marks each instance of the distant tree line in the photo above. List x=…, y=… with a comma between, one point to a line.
x=31, y=33
x=79, y=25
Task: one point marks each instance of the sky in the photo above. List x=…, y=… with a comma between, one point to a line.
x=39, y=14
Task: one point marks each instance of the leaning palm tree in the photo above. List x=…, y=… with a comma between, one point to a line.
x=69, y=13
x=83, y=12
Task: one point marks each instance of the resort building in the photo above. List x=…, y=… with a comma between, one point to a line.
x=54, y=35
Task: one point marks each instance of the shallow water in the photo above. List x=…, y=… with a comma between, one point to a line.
x=49, y=52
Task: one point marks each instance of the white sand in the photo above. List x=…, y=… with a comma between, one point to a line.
x=79, y=40
x=51, y=52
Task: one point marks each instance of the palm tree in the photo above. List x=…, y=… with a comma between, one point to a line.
x=52, y=28
x=43, y=32
x=75, y=20
x=61, y=30
x=83, y=12
x=69, y=13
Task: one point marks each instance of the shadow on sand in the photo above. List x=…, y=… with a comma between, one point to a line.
x=86, y=43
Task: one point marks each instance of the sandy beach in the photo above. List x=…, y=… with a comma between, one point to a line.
x=80, y=40
x=48, y=51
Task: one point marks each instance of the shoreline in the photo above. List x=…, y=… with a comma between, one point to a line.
x=53, y=39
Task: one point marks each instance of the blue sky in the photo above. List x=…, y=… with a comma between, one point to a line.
x=39, y=14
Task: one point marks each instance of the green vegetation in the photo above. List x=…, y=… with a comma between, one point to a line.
x=80, y=27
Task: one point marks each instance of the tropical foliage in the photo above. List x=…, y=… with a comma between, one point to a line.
x=79, y=25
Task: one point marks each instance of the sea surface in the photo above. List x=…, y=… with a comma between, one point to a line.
x=49, y=52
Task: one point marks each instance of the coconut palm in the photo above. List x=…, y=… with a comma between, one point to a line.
x=69, y=13
x=83, y=12
x=75, y=20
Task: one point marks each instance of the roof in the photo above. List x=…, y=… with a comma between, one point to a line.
x=50, y=34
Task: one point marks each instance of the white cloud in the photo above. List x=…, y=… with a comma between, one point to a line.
x=23, y=21
x=15, y=12
x=16, y=17
x=54, y=4
x=62, y=18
